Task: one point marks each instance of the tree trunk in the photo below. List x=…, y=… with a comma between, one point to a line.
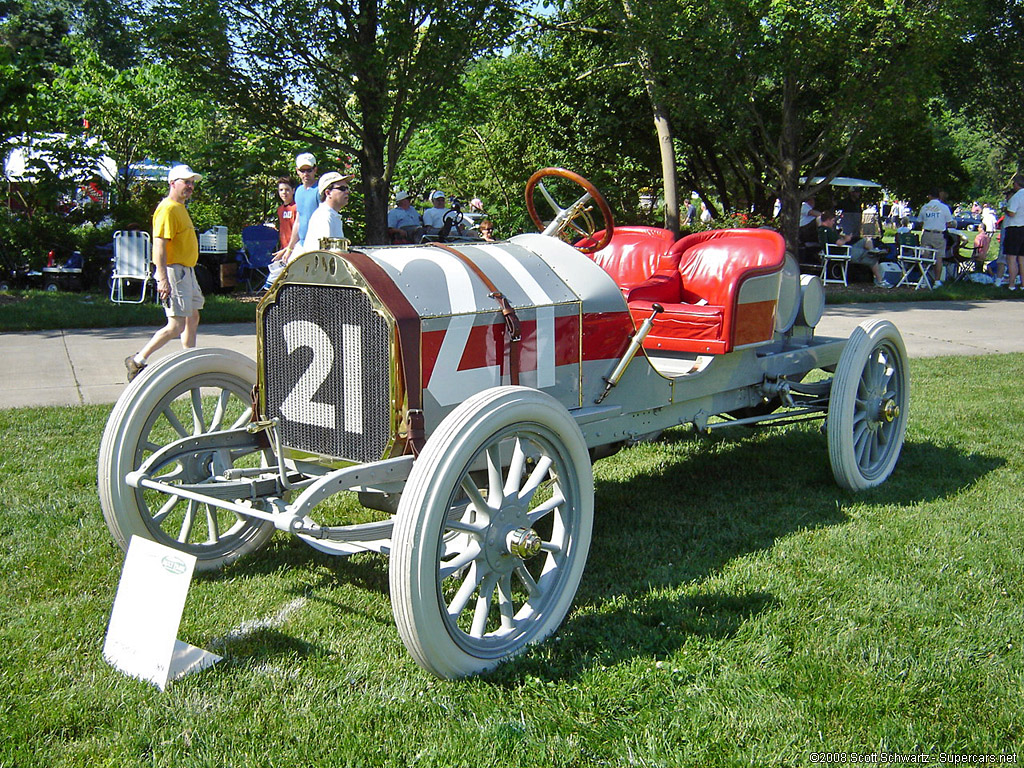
x=648, y=66
x=376, y=197
x=789, y=170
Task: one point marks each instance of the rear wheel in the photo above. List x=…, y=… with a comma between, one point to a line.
x=492, y=532
x=867, y=409
x=194, y=392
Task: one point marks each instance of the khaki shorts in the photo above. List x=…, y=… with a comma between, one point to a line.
x=186, y=298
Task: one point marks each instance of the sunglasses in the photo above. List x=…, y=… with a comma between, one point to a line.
x=338, y=189
x=305, y=170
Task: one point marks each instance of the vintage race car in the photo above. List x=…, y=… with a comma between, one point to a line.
x=461, y=392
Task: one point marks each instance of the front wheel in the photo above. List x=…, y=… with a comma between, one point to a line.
x=193, y=392
x=868, y=406
x=492, y=532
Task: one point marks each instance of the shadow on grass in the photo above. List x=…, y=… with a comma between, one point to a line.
x=665, y=524
x=262, y=643
x=669, y=514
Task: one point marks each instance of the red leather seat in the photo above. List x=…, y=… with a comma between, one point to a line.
x=721, y=296
x=634, y=254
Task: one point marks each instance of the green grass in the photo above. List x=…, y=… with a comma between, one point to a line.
x=35, y=310
x=737, y=609
x=861, y=293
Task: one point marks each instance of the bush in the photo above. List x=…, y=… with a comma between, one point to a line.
x=26, y=240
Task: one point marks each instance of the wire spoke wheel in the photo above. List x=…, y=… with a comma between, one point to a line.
x=868, y=406
x=192, y=393
x=492, y=532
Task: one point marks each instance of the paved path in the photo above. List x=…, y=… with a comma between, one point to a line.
x=87, y=366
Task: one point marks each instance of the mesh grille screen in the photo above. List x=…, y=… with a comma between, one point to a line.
x=326, y=357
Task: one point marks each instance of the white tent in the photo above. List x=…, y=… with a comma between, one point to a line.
x=28, y=152
x=842, y=181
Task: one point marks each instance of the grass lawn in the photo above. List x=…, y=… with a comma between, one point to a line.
x=737, y=609
x=35, y=310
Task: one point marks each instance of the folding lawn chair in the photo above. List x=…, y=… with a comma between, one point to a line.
x=258, y=245
x=132, y=258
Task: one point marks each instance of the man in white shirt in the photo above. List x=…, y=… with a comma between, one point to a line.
x=1013, y=231
x=404, y=225
x=326, y=221
x=988, y=219
x=936, y=218
x=433, y=218
x=810, y=220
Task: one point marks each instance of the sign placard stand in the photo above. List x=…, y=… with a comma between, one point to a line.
x=142, y=635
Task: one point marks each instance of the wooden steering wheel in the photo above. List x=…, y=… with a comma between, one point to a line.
x=575, y=221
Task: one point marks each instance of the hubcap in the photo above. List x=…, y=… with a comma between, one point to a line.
x=890, y=411
x=523, y=543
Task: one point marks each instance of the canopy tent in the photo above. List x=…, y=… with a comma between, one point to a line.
x=151, y=170
x=842, y=181
x=29, y=153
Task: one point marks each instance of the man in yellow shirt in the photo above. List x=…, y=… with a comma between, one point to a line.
x=175, y=253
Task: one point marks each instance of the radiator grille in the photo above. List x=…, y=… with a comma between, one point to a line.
x=327, y=372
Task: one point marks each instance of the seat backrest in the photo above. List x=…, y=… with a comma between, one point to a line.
x=259, y=242
x=635, y=253
x=132, y=253
x=713, y=264
x=907, y=238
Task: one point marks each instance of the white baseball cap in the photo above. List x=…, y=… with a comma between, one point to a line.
x=330, y=178
x=182, y=172
x=400, y=196
x=306, y=158
x=436, y=194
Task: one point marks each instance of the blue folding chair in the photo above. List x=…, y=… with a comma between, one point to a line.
x=258, y=245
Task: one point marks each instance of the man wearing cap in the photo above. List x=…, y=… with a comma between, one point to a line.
x=433, y=218
x=404, y=225
x=326, y=219
x=175, y=253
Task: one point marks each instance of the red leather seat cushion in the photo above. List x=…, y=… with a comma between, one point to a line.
x=634, y=254
x=703, y=310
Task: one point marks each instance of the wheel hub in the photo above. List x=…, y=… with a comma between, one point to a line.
x=523, y=543
x=510, y=539
x=890, y=411
x=198, y=467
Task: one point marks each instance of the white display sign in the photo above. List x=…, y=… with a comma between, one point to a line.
x=142, y=635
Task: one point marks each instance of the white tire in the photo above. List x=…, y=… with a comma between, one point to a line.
x=868, y=406
x=492, y=532
x=195, y=391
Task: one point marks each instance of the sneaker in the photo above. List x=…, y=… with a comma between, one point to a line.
x=134, y=369
x=1013, y=287
x=937, y=284
x=882, y=284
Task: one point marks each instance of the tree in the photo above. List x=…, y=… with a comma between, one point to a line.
x=540, y=105
x=139, y=112
x=354, y=77
x=30, y=55
x=761, y=93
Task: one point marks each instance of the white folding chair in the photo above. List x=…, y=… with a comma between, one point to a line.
x=917, y=262
x=133, y=255
x=839, y=257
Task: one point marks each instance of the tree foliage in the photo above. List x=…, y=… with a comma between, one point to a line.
x=30, y=55
x=353, y=77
